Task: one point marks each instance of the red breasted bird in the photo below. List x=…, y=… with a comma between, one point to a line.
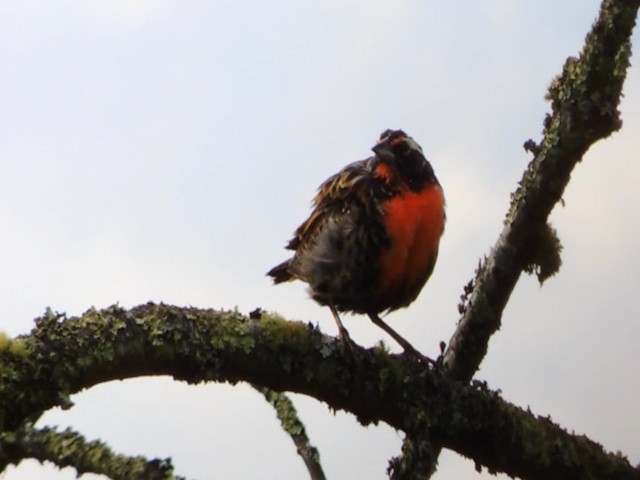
x=371, y=241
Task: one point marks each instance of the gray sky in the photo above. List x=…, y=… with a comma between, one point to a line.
x=164, y=150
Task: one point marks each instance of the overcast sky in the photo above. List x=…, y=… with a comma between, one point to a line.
x=164, y=150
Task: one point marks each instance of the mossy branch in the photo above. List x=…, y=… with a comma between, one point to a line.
x=584, y=102
x=63, y=355
x=294, y=427
x=70, y=449
x=418, y=459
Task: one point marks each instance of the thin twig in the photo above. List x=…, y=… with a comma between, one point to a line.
x=292, y=424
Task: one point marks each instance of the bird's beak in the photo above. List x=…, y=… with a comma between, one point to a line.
x=382, y=150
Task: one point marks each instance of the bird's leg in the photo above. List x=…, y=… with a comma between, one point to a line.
x=408, y=348
x=344, y=334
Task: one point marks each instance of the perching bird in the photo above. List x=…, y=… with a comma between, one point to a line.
x=371, y=241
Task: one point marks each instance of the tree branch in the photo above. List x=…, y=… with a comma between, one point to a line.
x=70, y=449
x=62, y=356
x=418, y=459
x=584, y=101
x=292, y=424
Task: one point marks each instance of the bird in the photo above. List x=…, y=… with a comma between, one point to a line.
x=371, y=241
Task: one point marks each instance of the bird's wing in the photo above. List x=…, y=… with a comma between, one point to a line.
x=349, y=187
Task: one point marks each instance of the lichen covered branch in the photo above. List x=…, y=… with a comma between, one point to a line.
x=292, y=424
x=418, y=458
x=70, y=449
x=63, y=355
x=584, y=102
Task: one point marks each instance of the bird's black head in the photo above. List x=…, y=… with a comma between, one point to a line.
x=395, y=144
x=398, y=149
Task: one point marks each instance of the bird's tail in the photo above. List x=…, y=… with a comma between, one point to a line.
x=280, y=273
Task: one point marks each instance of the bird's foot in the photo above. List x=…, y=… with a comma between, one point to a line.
x=346, y=342
x=410, y=350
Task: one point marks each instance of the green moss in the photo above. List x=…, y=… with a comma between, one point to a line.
x=544, y=260
x=232, y=329
x=5, y=342
x=12, y=347
x=18, y=347
x=390, y=371
x=70, y=449
x=282, y=333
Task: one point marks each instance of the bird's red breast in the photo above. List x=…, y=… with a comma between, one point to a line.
x=414, y=222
